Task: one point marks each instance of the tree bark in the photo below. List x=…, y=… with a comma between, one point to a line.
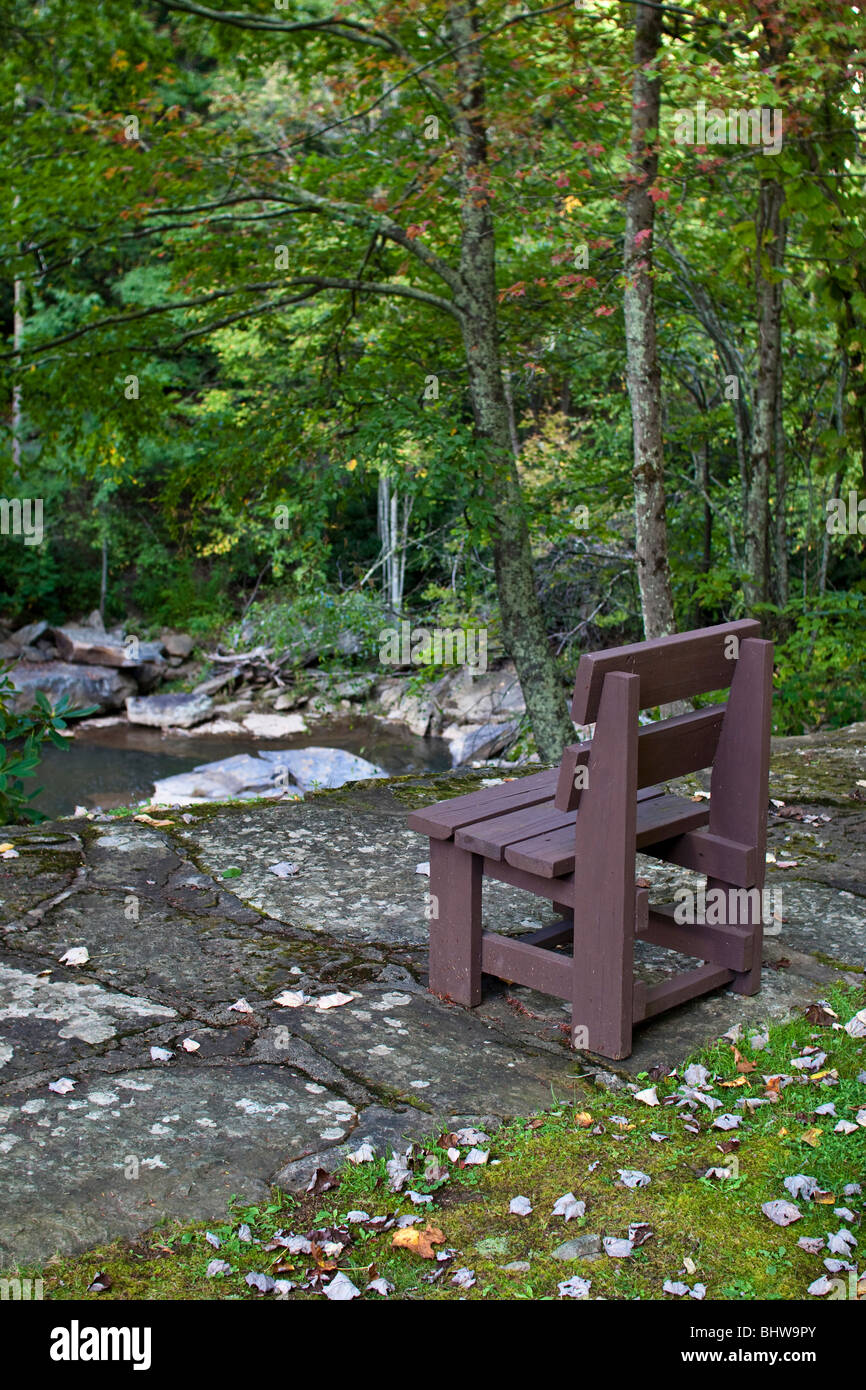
x=769, y=249
x=643, y=372
x=476, y=298
x=781, y=531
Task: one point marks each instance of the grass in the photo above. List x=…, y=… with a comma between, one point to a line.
x=704, y=1230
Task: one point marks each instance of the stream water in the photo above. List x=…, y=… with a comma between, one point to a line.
x=118, y=766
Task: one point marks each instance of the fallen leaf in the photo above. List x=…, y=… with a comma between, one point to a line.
x=333, y=1001
x=812, y=1137
x=341, y=1289
x=76, y=955
x=575, y=1287
x=632, y=1177
x=617, y=1249
x=649, y=1096
x=569, y=1207
x=283, y=869
x=520, y=1206
x=100, y=1283
x=418, y=1242
x=781, y=1213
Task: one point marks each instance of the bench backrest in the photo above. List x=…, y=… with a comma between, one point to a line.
x=671, y=669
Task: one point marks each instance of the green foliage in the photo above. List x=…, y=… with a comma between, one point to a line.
x=327, y=626
x=21, y=737
x=820, y=674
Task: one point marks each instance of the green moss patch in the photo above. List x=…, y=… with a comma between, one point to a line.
x=707, y=1232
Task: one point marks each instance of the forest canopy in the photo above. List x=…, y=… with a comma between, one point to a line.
x=547, y=318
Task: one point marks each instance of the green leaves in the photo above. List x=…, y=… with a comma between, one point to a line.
x=21, y=736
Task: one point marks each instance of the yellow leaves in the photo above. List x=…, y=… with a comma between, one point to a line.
x=418, y=1242
x=351, y=465
x=740, y=1081
x=583, y=1119
x=812, y=1137
x=6, y=845
x=570, y=203
x=149, y=820
x=118, y=61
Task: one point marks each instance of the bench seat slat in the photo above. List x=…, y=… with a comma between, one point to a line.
x=491, y=836
x=658, y=818
x=440, y=820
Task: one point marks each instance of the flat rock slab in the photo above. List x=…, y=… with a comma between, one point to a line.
x=191, y=937
x=113, y=1157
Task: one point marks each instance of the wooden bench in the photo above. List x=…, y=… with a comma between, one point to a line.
x=570, y=834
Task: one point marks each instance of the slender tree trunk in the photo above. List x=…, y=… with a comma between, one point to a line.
x=643, y=372
x=17, y=412
x=781, y=518
x=522, y=621
x=769, y=248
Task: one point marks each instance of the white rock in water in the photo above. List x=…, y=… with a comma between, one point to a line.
x=313, y=768
x=271, y=773
x=274, y=725
x=168, y=711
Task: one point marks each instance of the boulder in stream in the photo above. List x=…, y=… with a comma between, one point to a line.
x=273, y=773
x=104, y=686
x=178, y=711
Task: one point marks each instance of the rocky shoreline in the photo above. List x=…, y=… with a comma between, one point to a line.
x=257, y=693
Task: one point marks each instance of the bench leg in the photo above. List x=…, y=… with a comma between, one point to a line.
x=745, y=981
x=455, y=924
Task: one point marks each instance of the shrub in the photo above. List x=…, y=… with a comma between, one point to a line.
x=21, y=737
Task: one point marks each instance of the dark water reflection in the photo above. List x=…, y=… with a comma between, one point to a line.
x=118, y=766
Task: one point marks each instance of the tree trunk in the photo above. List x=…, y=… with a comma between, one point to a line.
x=643, y=372
x=522, y=621
x=769, y=249
x=781, y=531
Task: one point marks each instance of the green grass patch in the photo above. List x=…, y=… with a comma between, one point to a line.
x=708, y=1231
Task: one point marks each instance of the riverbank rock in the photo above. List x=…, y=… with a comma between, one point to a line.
x=104, y=686
x=273, y=773
x=169, y=711
x=91, y=646
x=177, y=643
x=319, y=768
x=274, y=725
x=478, y=742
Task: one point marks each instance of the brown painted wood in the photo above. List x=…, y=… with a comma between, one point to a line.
x=670, y=668
x=568, y=796
x=654, y=999
x=532, y=966
x=658, y=818
x=455, y=926
x=442, y=819
x=667, y=749
x=559, y=890
x=582, y=858
x=741, y=773
x=673, y=747
x=730, y=946
x=490, y=837
x=604, y=890
x=554, y=934
x=712, y=855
